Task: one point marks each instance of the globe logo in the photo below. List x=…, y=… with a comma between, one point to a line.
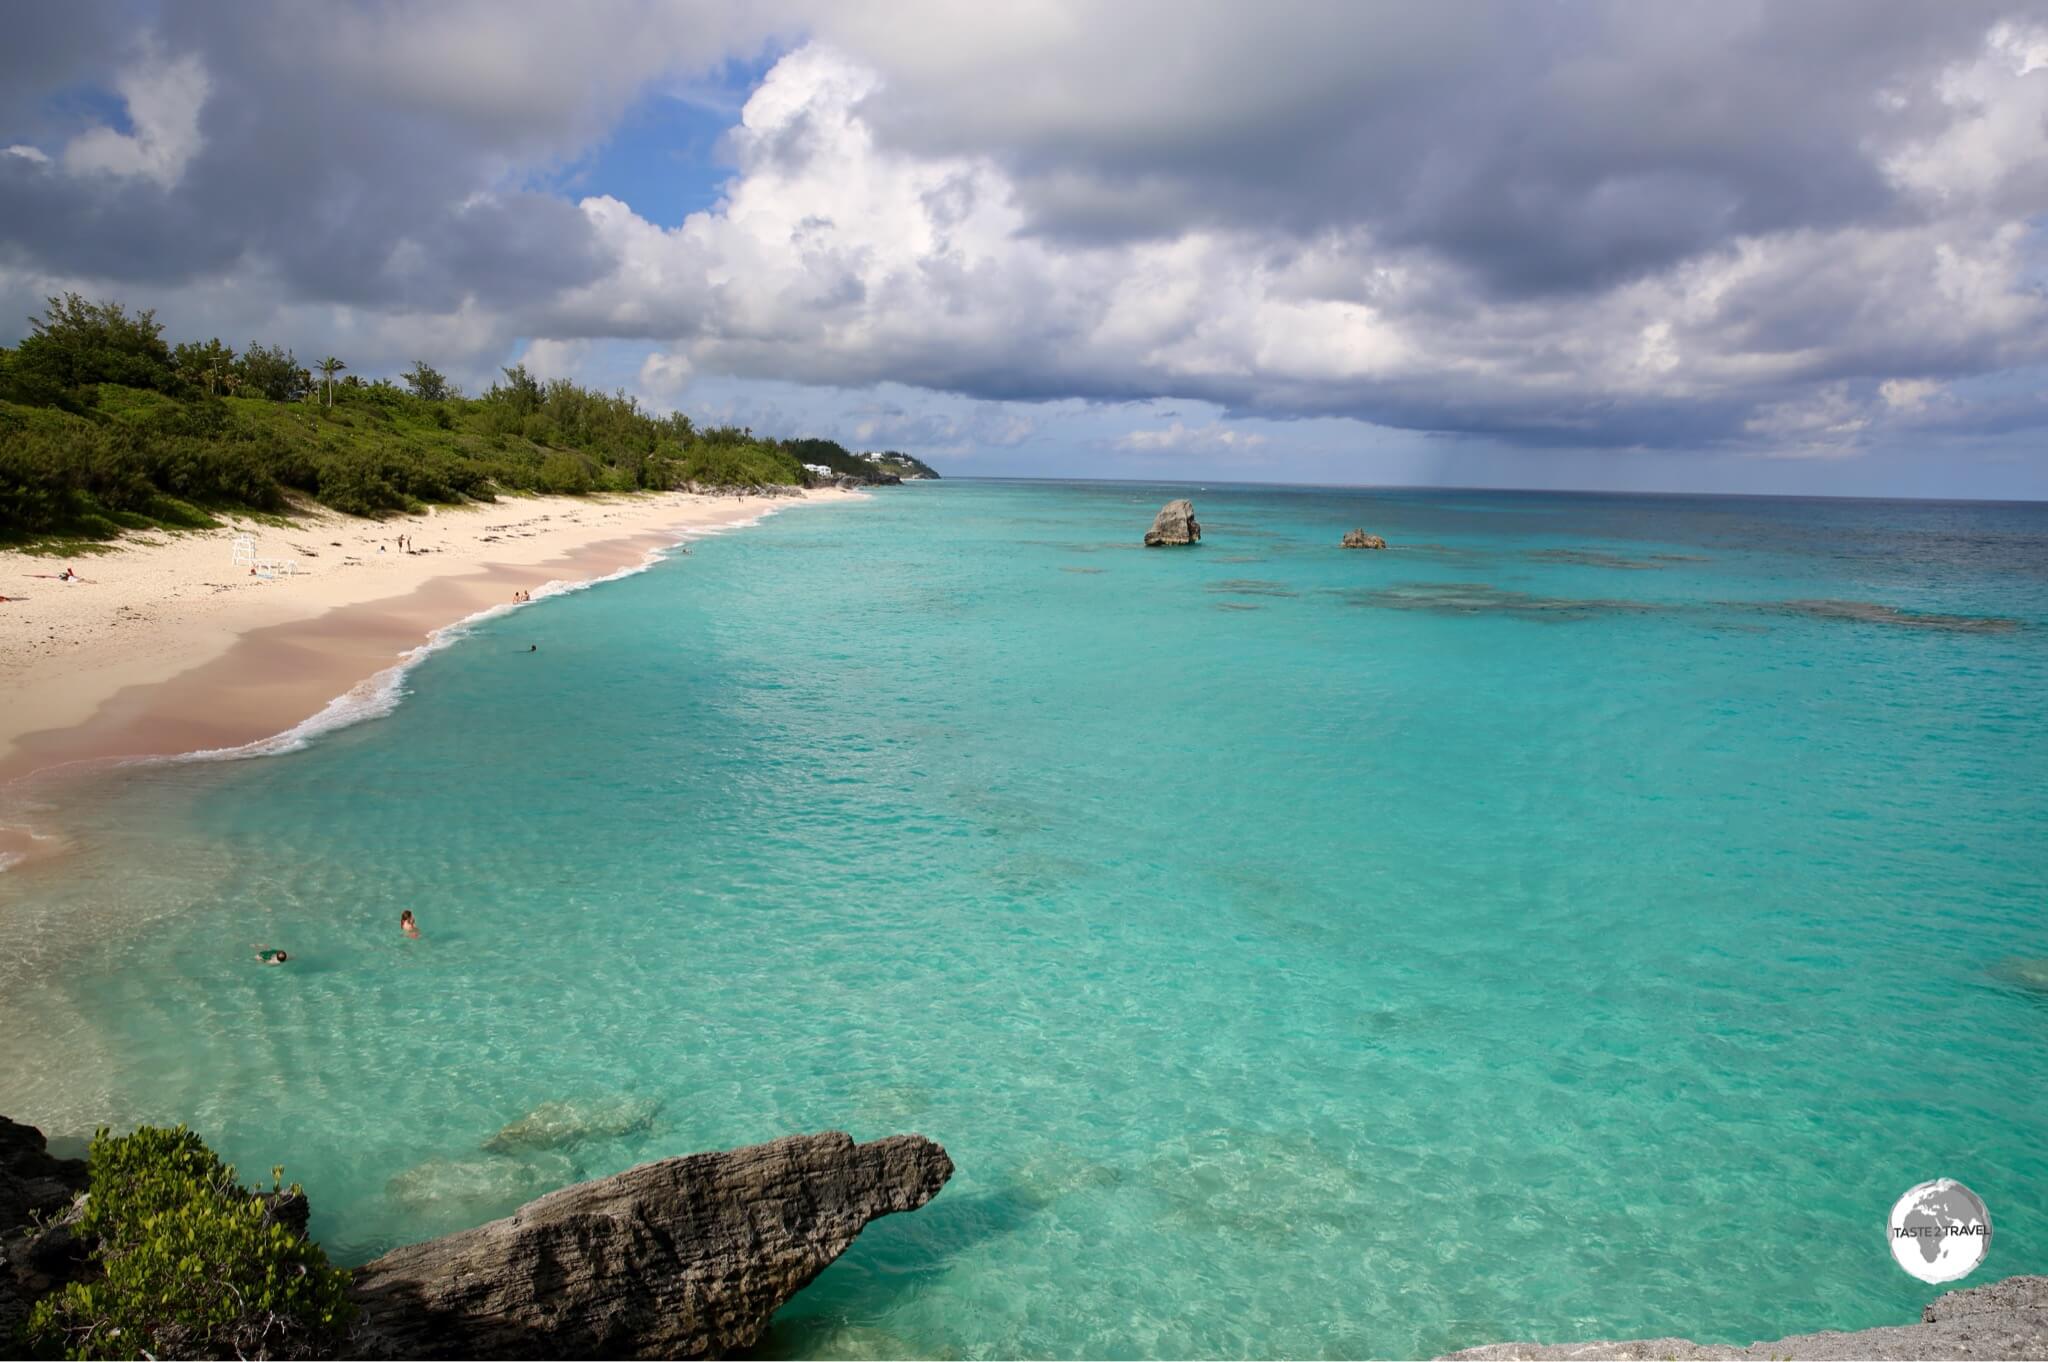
x=1939, y=1231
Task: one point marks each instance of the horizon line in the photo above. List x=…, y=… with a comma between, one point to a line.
x=1473, y=487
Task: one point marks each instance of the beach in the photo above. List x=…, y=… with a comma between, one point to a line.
x=166, y=645
x=1291, y=946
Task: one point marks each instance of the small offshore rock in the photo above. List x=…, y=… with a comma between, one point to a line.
x=1175, y=524
x=1359, y=539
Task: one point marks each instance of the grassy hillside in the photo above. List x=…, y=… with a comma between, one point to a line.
x=104, y=427
x=835, y=456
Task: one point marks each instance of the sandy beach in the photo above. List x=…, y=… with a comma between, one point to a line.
x=166, y=645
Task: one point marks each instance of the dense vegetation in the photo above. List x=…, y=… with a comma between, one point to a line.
x=105, y=426
x=191, y=1264
x=835, y=456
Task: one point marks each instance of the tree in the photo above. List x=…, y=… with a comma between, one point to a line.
x=521, y=391
x=76, y=345
x=272, y=371
x=426, y=381
x=329, y=367
x=205, y=364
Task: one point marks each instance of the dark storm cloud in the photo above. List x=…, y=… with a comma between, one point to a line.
x=1542, y=147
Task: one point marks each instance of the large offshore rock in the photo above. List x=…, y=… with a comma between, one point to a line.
x=688, y=1257
x=1175, y=524
x=1359, y=539
x=2001, y=1320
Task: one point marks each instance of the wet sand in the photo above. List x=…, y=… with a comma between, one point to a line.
x=167, y=648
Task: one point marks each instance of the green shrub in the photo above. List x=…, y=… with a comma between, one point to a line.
x=192, y=1266
x=565, y=474
x=103, y=426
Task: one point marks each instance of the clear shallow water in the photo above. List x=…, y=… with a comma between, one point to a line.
x=1538, y=930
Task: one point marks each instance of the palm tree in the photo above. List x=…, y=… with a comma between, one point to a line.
x=329, y=367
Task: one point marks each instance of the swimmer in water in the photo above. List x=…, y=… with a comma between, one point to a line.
x=271, y=957
x=407, y=925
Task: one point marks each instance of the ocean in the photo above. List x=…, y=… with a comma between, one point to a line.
x=1582, y=919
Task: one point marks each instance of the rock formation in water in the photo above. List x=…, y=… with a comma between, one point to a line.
x=38, y=1251
x=1175, y=524
x=2004, y=1319
x=1359, y=539
x=688, y=1257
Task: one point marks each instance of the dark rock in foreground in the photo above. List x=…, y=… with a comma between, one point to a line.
x=1359, y=539
x=688, y=1257
x=2006, y=1319
x=1175, y=524
x=38, y=1251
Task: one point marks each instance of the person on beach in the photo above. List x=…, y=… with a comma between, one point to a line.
x=271, y=957
x=407, y=925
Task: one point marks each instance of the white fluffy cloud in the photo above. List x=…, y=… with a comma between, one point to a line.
x=163, y=97
x=1213, y=436
x=838, y=258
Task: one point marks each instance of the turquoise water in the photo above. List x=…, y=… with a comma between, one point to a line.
x=1540, y=929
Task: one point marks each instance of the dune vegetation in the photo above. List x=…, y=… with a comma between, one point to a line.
x=105, y=426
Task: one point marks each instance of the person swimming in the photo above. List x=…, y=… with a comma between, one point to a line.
x=271, y=957
x=407, y=925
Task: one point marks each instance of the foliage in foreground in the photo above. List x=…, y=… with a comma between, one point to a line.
x=191, y=1264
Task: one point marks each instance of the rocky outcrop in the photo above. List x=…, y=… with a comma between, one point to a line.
x=1359, y=539
x=38, y=1250
x=688, y=1257
x=714, y=489
x=2005, y=1319
x=1175, y=524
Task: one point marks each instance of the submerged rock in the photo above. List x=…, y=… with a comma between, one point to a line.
x=1870, y=612
x=1175, y=524
x=2004, y=1319
x=462, y=1191
x=687, y=1257
x=2023, y=971
x=1359, y=539
x=554, y=1125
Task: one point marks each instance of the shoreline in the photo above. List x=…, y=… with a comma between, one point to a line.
x=167, y=650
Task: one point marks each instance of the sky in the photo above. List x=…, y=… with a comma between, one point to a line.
x=1747, y=246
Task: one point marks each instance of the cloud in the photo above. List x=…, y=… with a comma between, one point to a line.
x=1598, y=225
x=164, y=97
x=1178, y=436
x=547, y=359
x=838, y=258
x=664, y=374
x=1908, y=394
